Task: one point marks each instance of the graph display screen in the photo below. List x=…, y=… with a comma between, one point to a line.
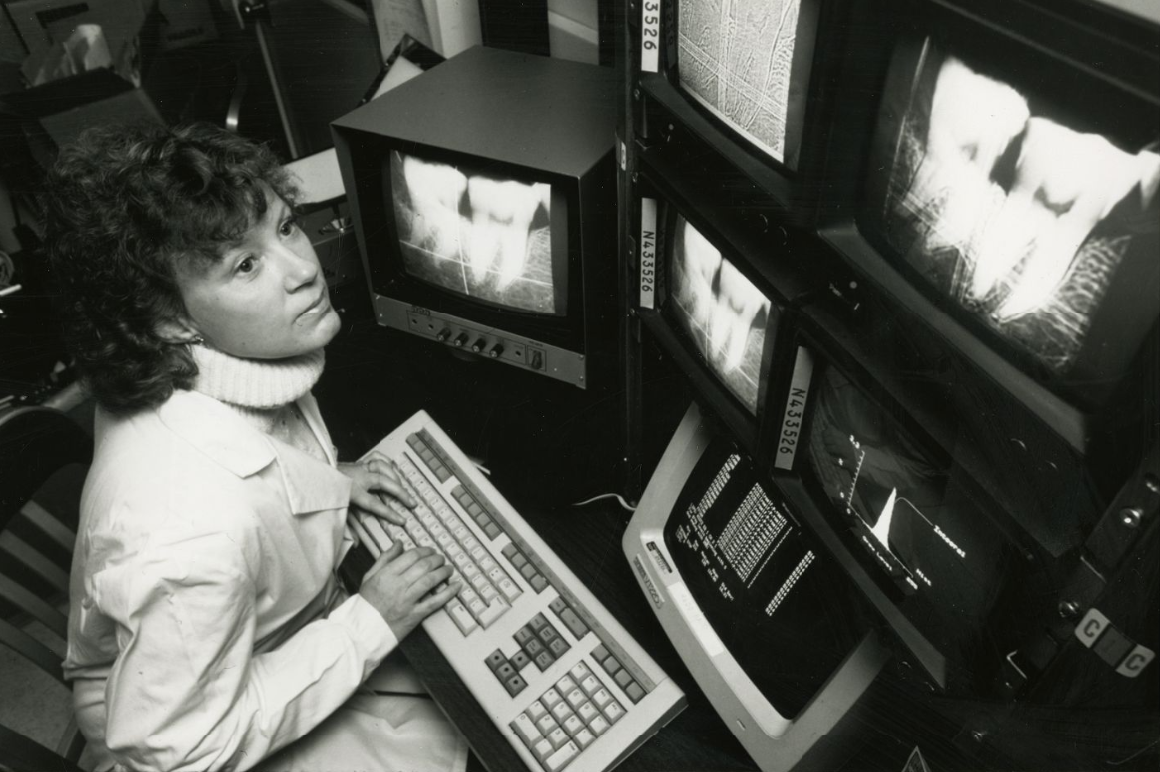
x=906, y=512
x=720, y=311
x=775, y=602
x=1020, y=208
x=484, y=237
x=736, y=60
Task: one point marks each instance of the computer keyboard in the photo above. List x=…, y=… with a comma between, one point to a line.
x=555, y=672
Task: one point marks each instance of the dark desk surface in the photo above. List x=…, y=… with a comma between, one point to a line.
x=527, y=433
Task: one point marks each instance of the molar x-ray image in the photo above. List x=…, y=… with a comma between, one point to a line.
x=1020, y=218
x=720, y=310
x=483, y=237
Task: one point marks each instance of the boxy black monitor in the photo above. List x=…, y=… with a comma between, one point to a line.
x=1025, y=195
x=726, y=92
x=485, y=210
x=902, y=507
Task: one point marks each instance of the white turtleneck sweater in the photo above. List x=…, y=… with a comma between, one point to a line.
x=263, y=391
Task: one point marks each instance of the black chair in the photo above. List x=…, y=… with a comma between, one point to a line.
x=36, y=543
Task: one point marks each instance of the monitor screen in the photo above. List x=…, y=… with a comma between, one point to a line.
x=482, y=236
x=719, y=310
x=736, y=60
x=774, y=600
x=1035, y=211
x=907, y=512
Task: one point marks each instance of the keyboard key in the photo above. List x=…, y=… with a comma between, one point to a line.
x=551, y=698
x=590, y=685
x=574, y=623
x=539, y=583
x=544, y=660
x=558, y=647
x=575, y=698
x=460, y=616
x=508, y=588
x=561, y=711
x=598, y=726
x=584, y=738
x=602, y=698
x=561, y=757
x=579, y=672
x=536, y=711
x=495, y=659
x=572, y=725
x=613, y=712
x=543, y=749
x=538, y=622
x=623, y=678
x=525, y=729
x=558, y=737
x=634, y=692
x=565, y=685
x=546, y=723
x=587, y=711
x=515, y=684
x=498, y=607
x=523, y=635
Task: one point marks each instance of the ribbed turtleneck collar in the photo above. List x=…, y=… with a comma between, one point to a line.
x=260, y=384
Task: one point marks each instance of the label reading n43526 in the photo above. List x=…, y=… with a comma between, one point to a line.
x=648, y=252
x=650, y=35
x=795, y=409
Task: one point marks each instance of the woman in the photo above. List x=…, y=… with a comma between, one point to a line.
x=207, y=629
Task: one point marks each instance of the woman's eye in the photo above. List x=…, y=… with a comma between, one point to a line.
x=289, y=226
x=247, y=265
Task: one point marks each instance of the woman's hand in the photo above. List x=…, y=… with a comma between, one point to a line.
x=372, y=477
x=401, y=585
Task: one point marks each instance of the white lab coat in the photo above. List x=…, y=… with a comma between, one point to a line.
x=207, y=629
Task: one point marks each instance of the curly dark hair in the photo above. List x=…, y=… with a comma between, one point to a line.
x=124, y=207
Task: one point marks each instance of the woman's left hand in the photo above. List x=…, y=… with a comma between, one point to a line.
x=373, y=477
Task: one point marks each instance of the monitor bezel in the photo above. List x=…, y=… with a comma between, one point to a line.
x=830, y=343
x=666, y=116
x=1087, y=418
x=739, y=244
x=370, y=157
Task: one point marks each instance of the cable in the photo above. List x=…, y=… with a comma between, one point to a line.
x=618, y=499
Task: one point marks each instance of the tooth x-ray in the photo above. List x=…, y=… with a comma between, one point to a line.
x=1020, y=218
x=720, y=310
x=484, y=237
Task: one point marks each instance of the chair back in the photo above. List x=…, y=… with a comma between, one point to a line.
x=37, y=533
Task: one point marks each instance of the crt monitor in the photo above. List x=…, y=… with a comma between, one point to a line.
x=485, y=213
x=734, y=78
x=713, y=293
x=757, y=609
x=1012, y=179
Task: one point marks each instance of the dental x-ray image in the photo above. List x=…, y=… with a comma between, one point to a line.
x=1020, y=218
x=720, y=310
x=736, y=59
x=483, y=237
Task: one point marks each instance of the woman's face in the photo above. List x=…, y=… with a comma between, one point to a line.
x=267, y=298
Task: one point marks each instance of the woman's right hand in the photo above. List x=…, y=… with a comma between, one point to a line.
x=401, y=586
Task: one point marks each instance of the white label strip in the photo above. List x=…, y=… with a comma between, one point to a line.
x=795, y=408
x=648, y=252
x=692, y=613
x=650, y=35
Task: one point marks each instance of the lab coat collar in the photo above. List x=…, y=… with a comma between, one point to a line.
x=311, y=484
x=218, y=432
